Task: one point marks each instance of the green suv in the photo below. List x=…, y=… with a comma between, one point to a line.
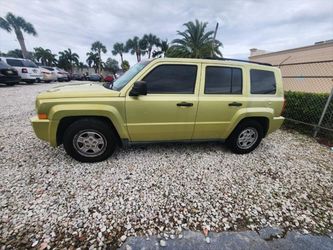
x=163, y=100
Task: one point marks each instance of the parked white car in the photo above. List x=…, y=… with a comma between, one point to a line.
x=62, y=75
x=48, y=73
x=27, y=70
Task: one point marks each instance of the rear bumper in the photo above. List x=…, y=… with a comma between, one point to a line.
x=275, y=124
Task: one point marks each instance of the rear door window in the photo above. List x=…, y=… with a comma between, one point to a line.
x=29, y=64
x=223, y=80
x=15, y=62
x=262, y=82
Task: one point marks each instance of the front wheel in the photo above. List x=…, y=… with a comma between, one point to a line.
x=89, y=140
x=246, y=137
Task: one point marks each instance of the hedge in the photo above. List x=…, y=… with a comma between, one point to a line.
x=308, y=107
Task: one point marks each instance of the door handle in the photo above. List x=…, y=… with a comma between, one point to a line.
x=185, y=104
x=236, y=104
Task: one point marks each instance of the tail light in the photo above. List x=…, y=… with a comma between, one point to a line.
x=284, y=106
x=24, y=70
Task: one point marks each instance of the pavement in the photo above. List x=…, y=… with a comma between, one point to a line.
x=265, y=239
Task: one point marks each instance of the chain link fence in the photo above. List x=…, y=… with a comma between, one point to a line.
x=309, y=103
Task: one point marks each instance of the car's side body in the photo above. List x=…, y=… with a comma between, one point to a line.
x=27, y=70
x=162, y=116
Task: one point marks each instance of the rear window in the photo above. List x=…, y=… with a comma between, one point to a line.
x=49, y=68
x=15, y=62
x=262, y=82
x=223, y=80
x=29, y=64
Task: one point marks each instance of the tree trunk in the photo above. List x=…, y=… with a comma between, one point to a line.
x=20, y=38
x=121, y=57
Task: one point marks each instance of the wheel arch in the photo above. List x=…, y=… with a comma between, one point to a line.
x=65, y=122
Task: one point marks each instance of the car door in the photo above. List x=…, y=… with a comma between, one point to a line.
x=168, y=111
x=220, y=97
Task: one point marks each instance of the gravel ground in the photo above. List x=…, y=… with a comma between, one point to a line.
x=47, y=199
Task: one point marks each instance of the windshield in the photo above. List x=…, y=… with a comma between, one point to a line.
x=128, y=75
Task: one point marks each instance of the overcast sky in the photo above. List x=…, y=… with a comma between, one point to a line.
x=265, y=24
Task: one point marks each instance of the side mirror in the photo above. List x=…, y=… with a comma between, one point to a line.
x=139, y=88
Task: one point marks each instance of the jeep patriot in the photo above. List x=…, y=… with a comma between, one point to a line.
x=164, y=100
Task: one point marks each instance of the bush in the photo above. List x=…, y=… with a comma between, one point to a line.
x=308, y=107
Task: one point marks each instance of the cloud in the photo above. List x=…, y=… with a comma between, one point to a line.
x=76, y=24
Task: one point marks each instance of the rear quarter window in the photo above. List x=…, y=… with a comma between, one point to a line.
x=262, y=82
x=15, y=63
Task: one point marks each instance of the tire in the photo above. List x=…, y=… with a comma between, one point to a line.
x=89, y=140
x=10, y=83
x=30, y=81
x=252, y=133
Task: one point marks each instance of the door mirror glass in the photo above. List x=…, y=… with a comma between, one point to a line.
x=139, y=88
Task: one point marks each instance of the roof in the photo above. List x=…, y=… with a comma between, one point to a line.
x=222, y=61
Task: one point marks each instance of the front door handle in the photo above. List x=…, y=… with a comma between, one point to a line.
x=236, y=104
x=185, y=104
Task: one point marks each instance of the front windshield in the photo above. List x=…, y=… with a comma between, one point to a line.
x=128, y=75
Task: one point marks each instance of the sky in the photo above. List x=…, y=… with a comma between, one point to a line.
x=271, y=25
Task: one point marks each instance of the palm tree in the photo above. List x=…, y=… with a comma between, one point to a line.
x=99, y=48
x=112, y=65
x=164, y=46
x=67, y=59
x=45, y=56
x=195, y=42
x=15, y=53
x=136, y=46
x=93, y=60
x=151, y=41
x=81, y=66
x=18, y=24
x=125, y=65
x=119, y=48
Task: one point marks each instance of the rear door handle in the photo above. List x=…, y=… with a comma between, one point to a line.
x=185, y=104
x=237, y=104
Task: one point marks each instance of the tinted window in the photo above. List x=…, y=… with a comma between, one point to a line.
x=15, y=63
x=29, y=64
x=223, y=80
x=172, y=79
x=262, y=82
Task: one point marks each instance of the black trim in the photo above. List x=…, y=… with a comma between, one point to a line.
x=238, y=60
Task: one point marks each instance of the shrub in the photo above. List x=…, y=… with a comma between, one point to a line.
x=308, y=107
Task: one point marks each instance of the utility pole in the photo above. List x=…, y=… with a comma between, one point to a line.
x=213, y=42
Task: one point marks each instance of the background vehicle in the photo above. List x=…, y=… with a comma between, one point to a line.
x=95, y=78
x=48, y=75
x=8, y=75
x=165, y=99
x=78, y=77
x=62, y=75
x=27, y=70
x=108, y=78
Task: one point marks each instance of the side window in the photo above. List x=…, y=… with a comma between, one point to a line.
x=223, y=80
x=15, y=63
x=171, y=79
x=262, y=82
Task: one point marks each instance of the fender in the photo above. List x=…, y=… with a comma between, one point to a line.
x=58, y=112
x=246, y=113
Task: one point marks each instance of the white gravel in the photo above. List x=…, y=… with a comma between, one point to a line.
x=47, y=199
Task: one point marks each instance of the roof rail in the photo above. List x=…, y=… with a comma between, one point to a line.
x=238, y=60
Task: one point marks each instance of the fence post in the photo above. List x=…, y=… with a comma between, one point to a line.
x=323, y=114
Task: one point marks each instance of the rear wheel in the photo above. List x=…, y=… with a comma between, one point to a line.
x=10, y=83
x=30, y=81
x=246, y=137
x=89, y=140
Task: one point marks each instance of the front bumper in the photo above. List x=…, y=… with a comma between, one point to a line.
x=9, y=79
x=41, y=128
x=275, y=124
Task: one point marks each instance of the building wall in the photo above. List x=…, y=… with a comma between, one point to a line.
x=306, y=69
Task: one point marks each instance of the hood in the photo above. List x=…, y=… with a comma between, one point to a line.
x=78, y=91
